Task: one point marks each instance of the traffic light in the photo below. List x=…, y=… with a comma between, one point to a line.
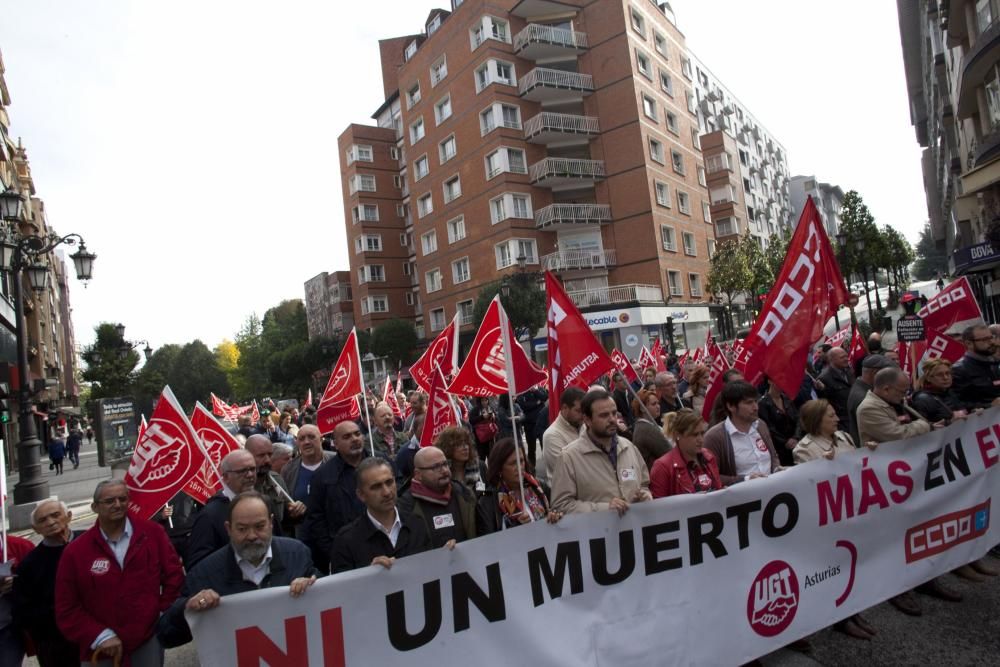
x=670, y=334
x=5, y=414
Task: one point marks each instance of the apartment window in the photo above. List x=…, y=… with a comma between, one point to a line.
x=726, y=227
x=695, y=139
x=433, y=280
x=706, y=212
x=678, y=161
x=694, y=281
x=447, y=149
x=505, y=159
x=649, y=107
x=660, y=42
x=437, y=319
x=397, y=181
x=683, y=203
x=364, y=213
x=439, y=70
x=425, y=205
x=499, y=115
x=510, y=205
x=371, y=273
x=434, y=25
x=672, y=123
x=669, y=238
x=710, y=244
x=413, y=95
x=638, y=21
x=368, y=243
x=410, y=300
x=456, y=229
x=452, y=189
x=428, y=242
x=494, y=71
x=666, y=83
x=421, y=167
x=656, y=150
x=701, y=177
x=642, y=62
x=379, y=304
x=442, y=110
x=689, y=246
x=401, y=210
x=674, y=281
x=404, y=239
x=722, y=195
x=489, y=27
x=460, y=270
x=686, y=68
x=465, y=309
x=360, y=153
x=992, y=89
x=984, y=15
x=508, y=252
x=411, y=50
x=362, y=183
x=662, y=194
x=692, y=104
x=417, y=131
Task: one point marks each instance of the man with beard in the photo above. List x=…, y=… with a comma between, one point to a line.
x=447, y=507
x=114, y=581
x=564, y=430
x=387, y=440
x=35, y=585
x=976, y=376
x=254, y=559
x=599, y=471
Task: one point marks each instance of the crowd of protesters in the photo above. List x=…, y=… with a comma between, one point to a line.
x=295, y=506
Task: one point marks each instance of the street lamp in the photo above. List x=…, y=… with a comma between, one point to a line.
x=22, y=257
x=126, y=345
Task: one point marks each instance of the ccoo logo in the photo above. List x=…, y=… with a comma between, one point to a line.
x=773, y=599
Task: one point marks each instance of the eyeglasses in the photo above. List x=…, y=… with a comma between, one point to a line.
x=108, y=502
x=242, y=471
x=436, y=466
x=982, y=340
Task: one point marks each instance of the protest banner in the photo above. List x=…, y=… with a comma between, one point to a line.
x=755, y=566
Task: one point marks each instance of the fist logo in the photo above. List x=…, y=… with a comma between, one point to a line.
x=491, y=363
x=338, y=382
x=773, y=599
x=161, y=458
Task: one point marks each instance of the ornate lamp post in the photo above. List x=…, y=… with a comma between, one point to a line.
x=24, y=256
x=126, y=346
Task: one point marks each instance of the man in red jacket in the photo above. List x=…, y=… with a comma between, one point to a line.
x=114, y=581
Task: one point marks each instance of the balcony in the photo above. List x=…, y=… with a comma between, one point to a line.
x=562, y=216
x=552, y=85
x=617, y=294
x=549, y=128
x=537, y=42
x=976, y=65
x=579, y=260
x=558, y=172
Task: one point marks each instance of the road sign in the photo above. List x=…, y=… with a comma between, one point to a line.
x=910, y=328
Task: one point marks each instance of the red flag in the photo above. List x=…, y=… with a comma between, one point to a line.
x=837, y=338
x=624, y=366
x=143, y=425
x=903, y=350
x=216, y=442
x=657, y=354
x=808, y=291
x=484, y=372
x=719, y=367
x=166, y=457
x=698, y=354
x=345, y=378
x=389, y=396
x=330, y=414
x=440, y=411
x=399, y=381
x=254, y=412
x=646, y=359
x=219, y=407
x=575, y=356
x=858, y=348
x=309, y=398
x=936, y=346
x=441, y=353
x=955, y=304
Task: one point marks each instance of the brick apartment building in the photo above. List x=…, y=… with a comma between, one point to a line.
x=329, y=306
x=551, y=135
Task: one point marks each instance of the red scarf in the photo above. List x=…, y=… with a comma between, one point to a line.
x=420, y=491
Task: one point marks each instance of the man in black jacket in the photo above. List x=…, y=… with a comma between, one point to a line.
x=252, y=560
x=447, y=507
x=837, y=381
x=383, y=533
x=976, y=377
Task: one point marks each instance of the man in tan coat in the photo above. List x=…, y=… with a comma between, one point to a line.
x=600, y=470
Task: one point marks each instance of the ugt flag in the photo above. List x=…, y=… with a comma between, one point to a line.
x=215, y=442
x=441, y=353
x=345, y=378
x=440, y=411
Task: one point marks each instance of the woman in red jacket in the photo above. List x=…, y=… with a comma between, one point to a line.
x=687, y=468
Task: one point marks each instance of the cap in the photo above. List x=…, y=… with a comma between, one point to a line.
x=877, y=362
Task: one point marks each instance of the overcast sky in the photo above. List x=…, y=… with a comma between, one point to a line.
x=194, y=143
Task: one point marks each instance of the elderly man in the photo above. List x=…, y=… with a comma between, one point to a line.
x=208, y=532
x=741, y=443
x=114, y=581
x=253, y=560
x=382, y=533
x=583, y=480
x=387, y=440
x=872, y=364
x=298, y=473
x=271, y=486
x=333, y=501
x=280, y=457
x=564, y=430
x=666, y=390
x=976, y=376
x=837, y=380
x=418, y=406
x=35, y=585
x=447, y=507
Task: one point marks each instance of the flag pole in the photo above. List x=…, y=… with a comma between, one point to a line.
x=364, y=396
x=509, y=367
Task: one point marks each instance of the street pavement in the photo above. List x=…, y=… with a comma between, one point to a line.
x=966, y=633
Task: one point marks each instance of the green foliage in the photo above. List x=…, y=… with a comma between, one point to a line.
x=524, y=303
x=729, y=273
x=194, y=374
x=858, y=223
x=396, y=340
x=110, y=364
x=930, y=257
x=154, y=375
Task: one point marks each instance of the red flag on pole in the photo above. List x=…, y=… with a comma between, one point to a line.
x=215, y=442
x=345, y=378
x=166, y=457
x=809, y=289
x=937, y=345
x=657, y=354
x=838, y=337
x=441, y=353
x=331, y=414
x=440, y=411
x=646, y=359
x=955, y=304
x=575, y=356
x=484, y=371
x=389, y=396
x=624, y=366
x=219, y=406
x=719, y=366
x=858, y=348
x=309, y=398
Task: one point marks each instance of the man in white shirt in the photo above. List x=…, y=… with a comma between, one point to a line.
x=742, y=443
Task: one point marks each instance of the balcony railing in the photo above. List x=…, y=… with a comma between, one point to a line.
x=557, y=79
x=605, y=296
x=578, y=260
x=563, y=123
x=566, y=168
x=549, y=36
x=572, y=214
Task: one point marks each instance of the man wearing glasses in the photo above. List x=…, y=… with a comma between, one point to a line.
x=975, y=377
x=446, y=507
x=114, y=581
x=208, y=532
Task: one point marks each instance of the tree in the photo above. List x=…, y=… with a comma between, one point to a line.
x=899, y=256
x=250, y=378
x=194, y=374
x=774, y=254
x=396, y=340
x=761, y=277
x=110, y=363
x=931, y=258
x=858, y=223
x=524, y=303
x=728, y=274
x=154, y=376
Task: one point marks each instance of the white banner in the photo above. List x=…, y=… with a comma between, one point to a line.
x=764, y=562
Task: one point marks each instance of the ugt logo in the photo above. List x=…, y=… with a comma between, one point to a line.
x=773, y=599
